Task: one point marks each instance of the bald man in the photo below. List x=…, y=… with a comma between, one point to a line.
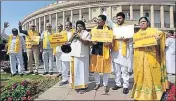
x=47, y=50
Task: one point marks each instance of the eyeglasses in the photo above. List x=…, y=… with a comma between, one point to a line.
x=48, y=26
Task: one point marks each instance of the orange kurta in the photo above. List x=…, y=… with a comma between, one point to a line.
x=101, y=63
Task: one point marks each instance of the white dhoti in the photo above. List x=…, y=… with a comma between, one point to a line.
x=16, y=58
x=48, y=60
x=79, y=77
x=130, y=65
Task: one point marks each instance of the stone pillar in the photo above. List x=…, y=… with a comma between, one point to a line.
x=71, y=16
x=39, y=28
x=56, y=21
x=141, y=11
x=131, y=12
x=152, y=16
x=80, y=14
x=171, y=16
x=63, y=16
x=44, y=24
x=110, y=10
x=90, y=13
x=50, y=19
x=119, y=8
x=162, y=16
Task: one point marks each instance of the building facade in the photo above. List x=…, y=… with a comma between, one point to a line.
x=161, y=14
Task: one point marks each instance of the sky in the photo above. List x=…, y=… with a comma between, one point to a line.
x=15, y=11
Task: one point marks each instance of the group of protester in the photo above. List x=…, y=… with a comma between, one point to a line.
x=148, y=63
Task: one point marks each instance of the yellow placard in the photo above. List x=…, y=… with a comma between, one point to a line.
x=58, y=39
x=33, y=40
x=144, y=39
x=102, y=35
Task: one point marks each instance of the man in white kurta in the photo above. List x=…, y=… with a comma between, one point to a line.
x=57, y=52
x=16, y=45
x=120, y=62
x=47, y=50
x=65, y=57
x=170, y=54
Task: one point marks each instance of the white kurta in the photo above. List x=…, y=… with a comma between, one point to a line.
x=170, y=55
x=79, y=77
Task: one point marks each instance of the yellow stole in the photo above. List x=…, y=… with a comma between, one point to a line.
x=30, y=33
x=45, y=39
x=105, y=48
x=17, y=45
x=116, y=44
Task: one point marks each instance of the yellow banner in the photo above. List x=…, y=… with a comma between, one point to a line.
x=33, y=40
x=144, y=40
x=58, y=39
x=102, y=35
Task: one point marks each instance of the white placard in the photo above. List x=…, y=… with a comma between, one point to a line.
x=123, y=31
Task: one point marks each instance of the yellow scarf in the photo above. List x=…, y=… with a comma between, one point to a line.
x=105, y=48
x=116, y=44
x=17, y=45
x=46, y=39
x=28, y=37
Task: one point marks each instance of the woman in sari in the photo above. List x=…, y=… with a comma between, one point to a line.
x=150, y=79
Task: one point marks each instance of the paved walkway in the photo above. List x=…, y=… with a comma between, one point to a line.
x=66, y=93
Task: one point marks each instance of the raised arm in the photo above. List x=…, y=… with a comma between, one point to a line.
x=108, y=20
x=3, y=35
x=20, y=29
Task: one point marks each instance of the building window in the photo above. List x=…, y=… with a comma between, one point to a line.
x=128, y=15
x=115, y=8
x=104, y=9
x=68, y=19
x=94, y=9
x=147, y=14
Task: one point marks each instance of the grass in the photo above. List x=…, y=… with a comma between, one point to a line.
x=43, y=83
x=6, y=78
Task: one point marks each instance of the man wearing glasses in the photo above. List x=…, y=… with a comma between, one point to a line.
x=32, y=50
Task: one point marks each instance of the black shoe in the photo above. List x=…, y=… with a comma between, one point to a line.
x=36, y=73
x=51, y=73
x=30, y=73
x=125, y=90
x=116, y=87
x=106, y=89
x=13, y=74
x=63, y=83
x=45, y=73
x=97, y=87
x=21, y=74
x=82, y=91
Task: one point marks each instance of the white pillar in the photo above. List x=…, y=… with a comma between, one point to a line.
x=171, y=17
x=152, y=16
x=162, y=16
x=119, y=8
x=110, y=10
x=56, y=21
x=71, y=16
x=141, y=11
x=63, y=16
x=131, y=12
x=50, y=19
x=44, y=24
x=39, y=25
x=80, y=14
x=90, y=13
x=35, y=23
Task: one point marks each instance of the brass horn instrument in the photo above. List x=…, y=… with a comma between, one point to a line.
x=67, y=47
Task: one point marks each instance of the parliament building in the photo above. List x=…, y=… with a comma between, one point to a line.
x=161, y=14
